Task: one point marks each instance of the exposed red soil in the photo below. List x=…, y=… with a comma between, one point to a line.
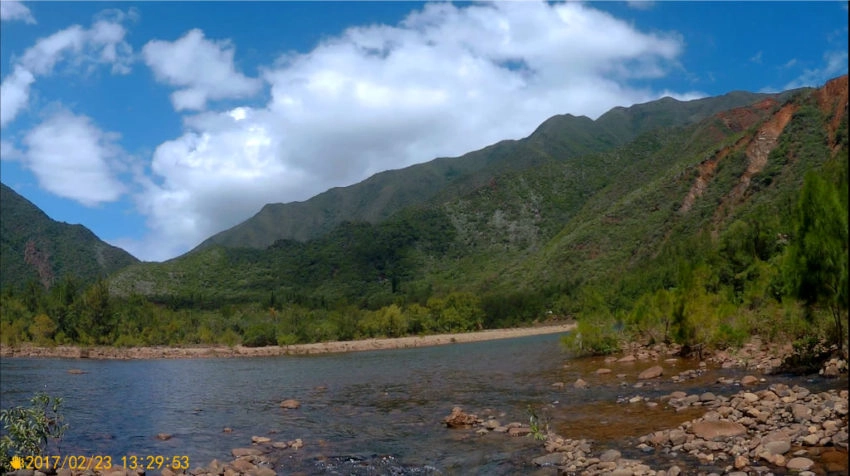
x=832, y=100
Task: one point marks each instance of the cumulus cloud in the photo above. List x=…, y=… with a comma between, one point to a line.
x=71, y=157
x=103, y=43
x=204, y=70
x=444, y=81
x=11, y=10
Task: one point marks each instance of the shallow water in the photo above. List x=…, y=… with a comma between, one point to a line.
x=374, y=412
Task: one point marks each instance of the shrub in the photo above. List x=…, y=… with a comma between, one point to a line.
x=30, y=430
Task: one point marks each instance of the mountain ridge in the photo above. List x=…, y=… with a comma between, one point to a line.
x=376, y=198
x=34, y=247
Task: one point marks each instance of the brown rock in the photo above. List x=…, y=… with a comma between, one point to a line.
x=290, y=404
x=603, y=371
x=260, y=439
x=519, y=431
x=799, y=464
x=238, y=452
x=778, y=447
x=710, y=430
x=579, y=383
x=459, y=419
x=243, y=465
x=652, y=372
x=264, y=471
x=628, y=358
x=749, y=380
x=163, y=436
x=76, y=371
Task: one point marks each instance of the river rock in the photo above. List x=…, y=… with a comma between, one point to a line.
x=76, y=371
x=459, y=419
x=799, y=464
x=519, y=431
x=749, y=380
x=579, y=383
x=260, y=439
x=552, y=459
x=609, y=455
x=290, y=404
x=238, y=452
x=801, y=412
x=603, y=371
x=652, y=372
x=264, y=471
x=163, y=436
x=243, y=465
x=710, y=430
x=779, y=447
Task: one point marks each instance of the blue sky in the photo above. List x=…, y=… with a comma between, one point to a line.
x=158, y=124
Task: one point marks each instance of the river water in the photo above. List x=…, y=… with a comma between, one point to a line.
x=364, y=412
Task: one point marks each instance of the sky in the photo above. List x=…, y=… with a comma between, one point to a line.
x=159, y=124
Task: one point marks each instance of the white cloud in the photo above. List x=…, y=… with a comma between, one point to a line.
x=73, y=158
x=103, y=43
x=8, y=151
x=835, y=64
x=445, y=81
x=13, y=10
x=203, y=68
x=14, y=93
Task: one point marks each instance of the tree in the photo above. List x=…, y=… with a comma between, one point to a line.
x=816, y=267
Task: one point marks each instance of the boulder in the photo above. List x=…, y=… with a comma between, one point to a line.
x=290, y=404
x=779, y=447
x=552, y=459
x=459, y=419
x=238, y=452
x=652, y=372
x=609, y=455
x=709, y=430
x=799, y=464
x=519, y=431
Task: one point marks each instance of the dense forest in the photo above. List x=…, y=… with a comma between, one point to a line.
x=702, y=234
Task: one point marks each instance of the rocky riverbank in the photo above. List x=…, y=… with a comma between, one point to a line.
x=194, y=352
x=750, y=421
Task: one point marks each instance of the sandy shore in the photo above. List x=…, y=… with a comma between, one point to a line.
x=104, y=352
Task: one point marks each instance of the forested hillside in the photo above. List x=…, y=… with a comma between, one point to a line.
x=34, y=247
x=693, y=224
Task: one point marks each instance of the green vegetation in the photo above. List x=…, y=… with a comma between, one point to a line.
x=30, y=431
x=637, y=232
x=35, y=248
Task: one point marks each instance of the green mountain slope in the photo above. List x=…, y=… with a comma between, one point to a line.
x=375, y=199
x=564, y=220
x=33, y=247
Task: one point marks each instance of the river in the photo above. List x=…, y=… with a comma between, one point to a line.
x=380, y=409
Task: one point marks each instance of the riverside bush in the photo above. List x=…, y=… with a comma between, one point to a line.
x=29, y=431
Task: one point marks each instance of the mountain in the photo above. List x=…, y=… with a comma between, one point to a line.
x=623, y=217
x=33, y=247
x=558, y=139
